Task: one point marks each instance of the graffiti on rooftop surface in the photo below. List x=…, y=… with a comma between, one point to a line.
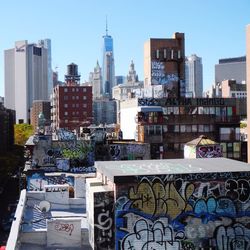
x=184, y=212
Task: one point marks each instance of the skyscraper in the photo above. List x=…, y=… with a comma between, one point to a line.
x=26, y=78
x=194, y=76
x=46, y=43
x=231, y=69
x=108, y=79
x=95, y=79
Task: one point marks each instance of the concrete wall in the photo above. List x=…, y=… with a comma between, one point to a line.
x=191, y=211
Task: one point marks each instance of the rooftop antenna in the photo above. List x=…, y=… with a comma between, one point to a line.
x=106, y=26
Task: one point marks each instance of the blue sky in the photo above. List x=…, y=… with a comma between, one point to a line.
x=213, y=29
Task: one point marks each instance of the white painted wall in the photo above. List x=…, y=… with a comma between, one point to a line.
x=128, y=122
x=64, y=233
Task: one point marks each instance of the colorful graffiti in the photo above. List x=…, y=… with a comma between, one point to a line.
x=103, y=220
x=184, y=212
x=209, y=151
x=129, y=151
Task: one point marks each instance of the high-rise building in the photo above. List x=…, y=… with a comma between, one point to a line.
x=248, y=85
x=95, y=80
x=164, y=64
x=231, y=69
x=105, y=111
x=26, y=78
x=193, y=76
x=72, y=103
x=108, y=68
x=46, y=43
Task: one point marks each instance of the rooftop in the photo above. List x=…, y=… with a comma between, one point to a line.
x=113, y=169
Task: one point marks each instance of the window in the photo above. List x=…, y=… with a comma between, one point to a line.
x=77, y=105
x=77, y=89
x=73, y=97
x=158, y=130
x=77, y=97
x=65, y=113
x=84, y=105
x=212, y=110
x=65, y=90
x=183, y=128
x=194, y=128
x=84, y=89
x=201, y=128
x=73, y=105
x=165, y=128
x=188, y=128
x=65, y=105
x=176, y=128
x=84, y=97
x=73, y=89
x=65, y=98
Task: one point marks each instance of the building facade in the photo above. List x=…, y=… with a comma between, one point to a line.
x=231, y=69
x=40, y=106
x=248, y=83
x=26, y=78
x=95, y=80
x=169, y=204
x=72, y=103
x=7, y=121
x=194, y=76
x=164, y=64
x=105, y=111
x=167, y=124
x=46, y=43
x=108, y=68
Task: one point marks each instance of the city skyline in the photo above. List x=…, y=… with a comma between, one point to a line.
x=212, y=31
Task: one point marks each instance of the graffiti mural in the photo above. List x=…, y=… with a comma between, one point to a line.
x=129, y=151
x=147, y=102
x=37, y=181
x=209, y=151
x=103, y=220
x=191, y=211
x=159, y=76
x=69, y=155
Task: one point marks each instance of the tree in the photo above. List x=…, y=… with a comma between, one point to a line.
x=22, y=133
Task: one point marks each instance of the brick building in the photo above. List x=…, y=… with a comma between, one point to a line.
x=164, y=64
x=72, y=103
x=167, y=124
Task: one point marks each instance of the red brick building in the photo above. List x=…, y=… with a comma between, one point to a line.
x=72, y=103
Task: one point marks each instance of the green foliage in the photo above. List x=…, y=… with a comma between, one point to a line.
x=22, y=133
x=243, y=125
x=10, y=162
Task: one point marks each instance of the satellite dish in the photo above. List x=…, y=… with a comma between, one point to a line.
x=44, y=206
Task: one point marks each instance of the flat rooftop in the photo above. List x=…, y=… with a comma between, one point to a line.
x=34, y=219
x=113, y=169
